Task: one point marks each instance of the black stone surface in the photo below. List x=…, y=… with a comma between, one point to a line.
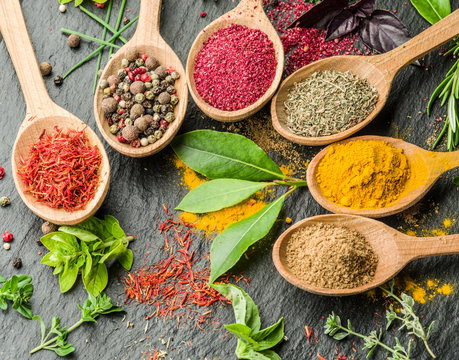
x=140, y=186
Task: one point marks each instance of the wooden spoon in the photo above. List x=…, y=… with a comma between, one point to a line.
x=426, y=168
x=379, y=70
x=147, y=40
x=393, y=248
x=251, y=14
x=42, y=114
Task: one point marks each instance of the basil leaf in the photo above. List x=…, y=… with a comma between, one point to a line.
x=68, y=277
x=270, y=355
x=269, y=337
x=363, y=8
x=231, y=244
x=51, y=259
x=126, y=259
x=218, y=155
x=251, y=354
x=218, y=194
x=83, y=235
x=60, y=241
x=97, y=279
x=96, y=226
x=320, y=15
x=113, y=227
x=115, y=249
x=342, y=24
x=245, y=310
x=2, y=279
x=432, y=10
x=242, y=332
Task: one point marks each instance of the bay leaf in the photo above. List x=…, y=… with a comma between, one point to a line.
x=432, y=10
x=218, y=194
x=232, y=243
x=220, y=155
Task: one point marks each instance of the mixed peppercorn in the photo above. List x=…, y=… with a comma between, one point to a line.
x=139, y=101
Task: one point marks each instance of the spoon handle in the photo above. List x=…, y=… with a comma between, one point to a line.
x=14, y=32
x=147, y=31
x=419, y=247
x=436, y=35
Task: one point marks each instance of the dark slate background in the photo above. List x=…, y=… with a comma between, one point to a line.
x=140, y=186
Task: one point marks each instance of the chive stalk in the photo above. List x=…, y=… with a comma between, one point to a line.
x=90, y=38
x=118, y=23
x=99, y=57
x=102, y=22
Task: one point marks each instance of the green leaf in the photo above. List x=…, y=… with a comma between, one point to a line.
x=126, y=259
x=2, y=279
x=68, y=277
x=114, y=250
x=232, y=243
x=432, y=10
x=340, y=335
x=245, y=310
x=271, y=355
x=269, y=337
x=218, y=155
x=60, y=241
x=97, y=279
x=251, y=354
x=83, y=235
x=113, y=227
x=242, y=332
x=52, y=259
x=218, y=194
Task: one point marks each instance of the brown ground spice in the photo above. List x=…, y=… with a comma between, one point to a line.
x=331, y=257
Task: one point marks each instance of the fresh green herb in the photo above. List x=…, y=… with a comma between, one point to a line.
x=90, y=38
x=239, y=168
x=456, y=180
x=18, y=289
x=118, y=23
x=79, y=2
x=90, y=311
x=103, y=23
x=99, y=57
x=253, y=343
x=84, y=249
x=334, y=328
x=408, y=317
x=432, y=10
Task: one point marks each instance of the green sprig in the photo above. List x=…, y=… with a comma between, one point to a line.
x=102, y=22
x=18, y=290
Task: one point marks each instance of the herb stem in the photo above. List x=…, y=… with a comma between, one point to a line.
x=99, y=57
x=102, y=22
x=118, y=23
x=295, y=182
x=90, y=38
x=99, y=49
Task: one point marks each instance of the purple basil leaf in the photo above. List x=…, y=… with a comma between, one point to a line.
x=383, y=31
x=320, y=15
x=342, y=24
x=363, y=8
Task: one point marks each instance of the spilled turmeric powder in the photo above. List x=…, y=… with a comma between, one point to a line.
x=442, y=230
x=216, y=221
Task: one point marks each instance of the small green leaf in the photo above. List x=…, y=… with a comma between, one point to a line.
x=242, y=332
x=83, y=235
x=269, y=337
x=117, y=248
x=60, y=241
x=97, y=279
x=232, y=243
x=113, y=227
x=2, y=279
x=218, y=194
x=220, y=155
x=432, y=10
x=126, y=259
x=340, y=335
x=52, y=259
x=68, y=277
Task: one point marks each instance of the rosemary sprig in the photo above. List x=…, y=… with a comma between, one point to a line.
x=408, y=318
x=99, y=57
x=334, y=328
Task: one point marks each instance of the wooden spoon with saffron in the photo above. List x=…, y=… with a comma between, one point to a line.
x=42, y=114
x=379, y=70
x=393, y=249
x=425, y=168
x=249, y=13
x=146, y=40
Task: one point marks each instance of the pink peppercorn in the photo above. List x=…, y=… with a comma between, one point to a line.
x=2, y=172
x=235, y=67
x=145, y=77
x=121, y=139
x=203, y=14
x=7, y=236
x=144, y=57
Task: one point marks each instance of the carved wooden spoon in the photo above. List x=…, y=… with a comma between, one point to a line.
x=251, y=14
x=147, y=40
x=426, y=168
x=42, y=114
x=379, y=70
x=393, y=248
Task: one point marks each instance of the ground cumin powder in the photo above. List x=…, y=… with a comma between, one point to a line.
x=329, y=256
x=363, y=174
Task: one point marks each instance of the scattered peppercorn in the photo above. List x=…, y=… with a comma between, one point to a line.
x=62, y=8
x=45, y=68
x=48, y=227
x=7, y=236
x=73, y=41
x=203, y=14
x=2, y=172
x=7, y=246
x=58, y=80
x=17, y=263
x=5, y=201
x=126, y=21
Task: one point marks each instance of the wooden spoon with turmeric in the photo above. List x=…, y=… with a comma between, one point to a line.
x=393, y=249
x=425, y=167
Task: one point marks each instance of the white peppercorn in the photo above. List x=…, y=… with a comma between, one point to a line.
x=122, y=104
x=144, y=142
x=124, y=62
x=128, y=122
x=62, y=8
x=151, y=139
x=158, y=134
x=5, y=201
x=148, y=85
x=103, y=84
x=7, y=246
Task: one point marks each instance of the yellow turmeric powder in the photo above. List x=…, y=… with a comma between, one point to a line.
x=216, y=221
x=363, y=174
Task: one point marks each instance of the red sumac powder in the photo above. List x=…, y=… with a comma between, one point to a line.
x=235, y=67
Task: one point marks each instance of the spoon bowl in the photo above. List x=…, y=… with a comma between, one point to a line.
x=378, y=70
x=393, y=249
x=146, y=40
x=42, y=114
x=249, y=13
x=426, y=167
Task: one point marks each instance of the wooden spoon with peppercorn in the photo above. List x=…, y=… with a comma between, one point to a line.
x=393, y=249
x=379, y=70
x=42, y=114
x=249, y=13
x=150, y=49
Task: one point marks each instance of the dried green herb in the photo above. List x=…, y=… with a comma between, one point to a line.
x=328, y=102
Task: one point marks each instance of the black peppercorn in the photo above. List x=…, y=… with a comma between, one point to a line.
x=132, y=66
x=149, y=111
x=171, y=90
x=121, y=75
x=17, y=263
x=58, y=80
x=126, y=96
x=149, y=131
x=156, y=90
x=119, y=91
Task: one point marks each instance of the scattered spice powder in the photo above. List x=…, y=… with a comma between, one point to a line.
x=62, y=170
x=328, y=102
x=330, y=256
x=364, y=174
x=235, y=67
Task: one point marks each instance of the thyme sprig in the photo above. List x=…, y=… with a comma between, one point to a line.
x=408, y=318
